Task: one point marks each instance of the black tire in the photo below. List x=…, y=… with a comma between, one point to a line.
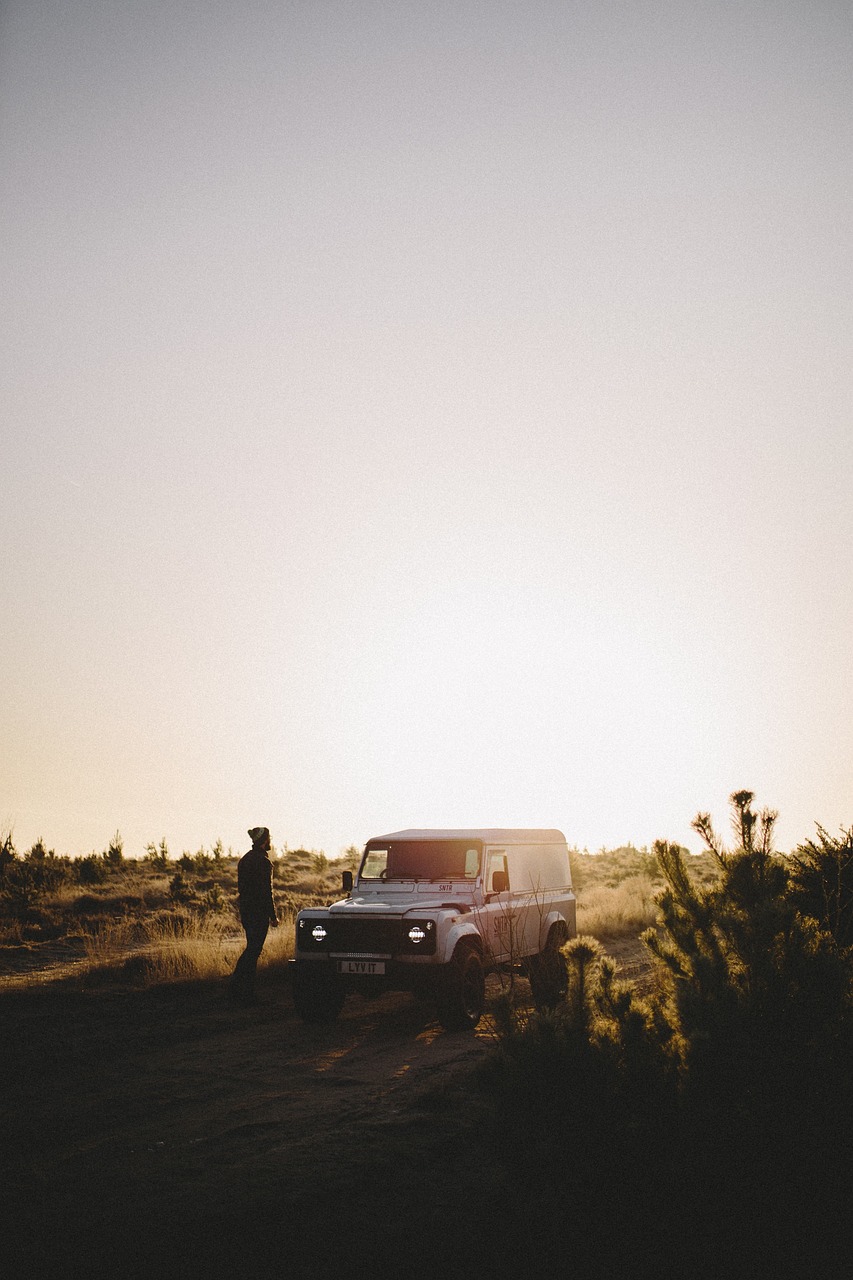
x=461, y=996
x=549, y=977
x=317, y=993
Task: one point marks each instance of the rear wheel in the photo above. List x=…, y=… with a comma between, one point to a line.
x=549, y=978
x=317, y=993
x=461, y=996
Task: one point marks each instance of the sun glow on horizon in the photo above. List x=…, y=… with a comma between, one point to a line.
x=446, y=428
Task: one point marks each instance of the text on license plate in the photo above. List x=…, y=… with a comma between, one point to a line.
x=361, y=966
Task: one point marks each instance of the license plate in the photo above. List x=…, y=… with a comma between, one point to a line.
x=361, y=966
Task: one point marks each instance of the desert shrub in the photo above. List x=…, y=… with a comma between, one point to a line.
x=760, y=992
x=8, y=852
x=202, y=862
x=158, y=855
x=349, y=859
x=179, y=888
x=726, y=1097
x=114, y=855
x=91, y=869
x=213, y=899
x=822, y=883
x=597, y=1076
x=755, y=1001
x=25, y=883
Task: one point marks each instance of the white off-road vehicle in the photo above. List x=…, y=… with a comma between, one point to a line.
x=434, y=911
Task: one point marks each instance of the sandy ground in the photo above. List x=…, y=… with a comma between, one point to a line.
x=166, y=1132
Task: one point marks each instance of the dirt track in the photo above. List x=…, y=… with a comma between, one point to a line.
x=167, y=1111
x=120, y=1106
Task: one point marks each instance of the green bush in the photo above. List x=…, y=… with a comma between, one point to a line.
x=213, y=899
x=179, y=889
x=760, y=991
x=709, y=1126
x=114, y=856
x=91, y=869
x=203, y=862
x=822, y=883
x=158, y=855
x=26, y=881
x=603, y=1048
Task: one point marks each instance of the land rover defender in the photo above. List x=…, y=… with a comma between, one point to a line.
x=434, y=911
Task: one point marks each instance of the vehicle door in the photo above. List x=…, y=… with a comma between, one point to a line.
x=501, y=919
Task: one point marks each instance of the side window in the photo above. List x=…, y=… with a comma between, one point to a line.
x=472, y=864
x=496, y=863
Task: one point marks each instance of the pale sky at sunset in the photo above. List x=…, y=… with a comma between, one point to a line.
x=424, y=414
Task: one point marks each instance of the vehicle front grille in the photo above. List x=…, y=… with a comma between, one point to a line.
x=362, y=936
x=368, y=936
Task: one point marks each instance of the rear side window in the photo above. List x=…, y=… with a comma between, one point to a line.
x=496, y=862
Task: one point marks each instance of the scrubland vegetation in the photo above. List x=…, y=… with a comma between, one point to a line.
x=144, y=921
x=708, y=1123
x=699, y=1123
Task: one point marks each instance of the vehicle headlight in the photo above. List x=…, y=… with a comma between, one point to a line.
x=419, y=936
x=318, y=933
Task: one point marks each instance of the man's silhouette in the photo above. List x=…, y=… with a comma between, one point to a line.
x=257, y=912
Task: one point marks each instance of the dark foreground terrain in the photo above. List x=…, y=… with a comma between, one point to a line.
x=165, y=1133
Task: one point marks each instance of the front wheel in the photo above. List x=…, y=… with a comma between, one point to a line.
x=317, y=994
x=461, y=996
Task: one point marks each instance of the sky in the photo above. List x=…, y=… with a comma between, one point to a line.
x=424, y=415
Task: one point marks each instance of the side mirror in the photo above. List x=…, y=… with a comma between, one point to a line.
x=500, y=882
x=346, y=881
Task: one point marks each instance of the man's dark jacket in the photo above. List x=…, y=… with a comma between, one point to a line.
x=254, y=884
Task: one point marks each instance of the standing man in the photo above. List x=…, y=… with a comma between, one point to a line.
x=257, y=912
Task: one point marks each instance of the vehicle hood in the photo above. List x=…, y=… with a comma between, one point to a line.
x=399, y=904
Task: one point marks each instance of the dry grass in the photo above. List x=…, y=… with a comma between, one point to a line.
x=176, y=947
x=145, y=924
x=612, y=911
x=280, y=944
x=616, y=890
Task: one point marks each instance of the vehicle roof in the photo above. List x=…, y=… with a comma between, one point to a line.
x=490, y=835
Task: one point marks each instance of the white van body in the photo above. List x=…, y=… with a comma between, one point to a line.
x=433, y=910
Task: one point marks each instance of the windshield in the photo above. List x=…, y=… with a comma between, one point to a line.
x=421, y=860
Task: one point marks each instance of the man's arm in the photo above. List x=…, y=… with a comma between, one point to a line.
x=273, y=913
